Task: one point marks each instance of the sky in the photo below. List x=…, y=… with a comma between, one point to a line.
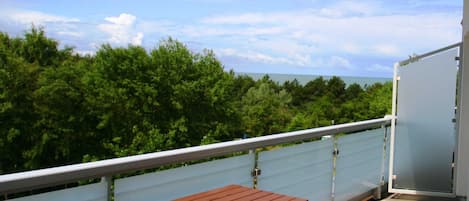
x=318, y=37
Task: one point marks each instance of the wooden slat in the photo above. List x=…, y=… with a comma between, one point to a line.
x=270, y=197
x=238, y=193
x=255, y=196
x=208, y=193
x=222, y=194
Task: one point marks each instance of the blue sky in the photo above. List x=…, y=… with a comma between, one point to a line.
x=335, y=37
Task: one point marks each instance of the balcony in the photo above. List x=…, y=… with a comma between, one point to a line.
x=336, y=167
x=412, y=151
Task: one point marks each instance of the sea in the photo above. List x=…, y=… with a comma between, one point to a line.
x=303, y=79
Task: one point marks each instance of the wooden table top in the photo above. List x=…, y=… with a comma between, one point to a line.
x=238, y=193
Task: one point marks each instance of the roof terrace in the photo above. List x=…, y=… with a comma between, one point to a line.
x=418, y=152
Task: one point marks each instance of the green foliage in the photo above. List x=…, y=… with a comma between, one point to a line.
x=58, y=108
x=335, y=89
x=264, y=110
x=18, y=81
x=62, y=128
x=353, y=91
x=314, y=89
x=296, y=91
x=379, y=96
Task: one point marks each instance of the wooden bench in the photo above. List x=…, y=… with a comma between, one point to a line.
x=238, y=193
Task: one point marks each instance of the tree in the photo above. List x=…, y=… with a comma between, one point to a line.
x=17, y=116
x=264, y=110
x=353, y=91
x=59, y=108
x=301, y=121
x=314, y=89
x=196, y=95
x=379, y=97
x=242, y=84
x=37, y=48
x=65, y=130
x=22, y=61
x=336, y=89
x=296, y=90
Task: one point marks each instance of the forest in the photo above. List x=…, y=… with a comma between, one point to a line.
x=58, y=107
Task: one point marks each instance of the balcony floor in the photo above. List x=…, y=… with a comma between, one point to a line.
x=401, y=197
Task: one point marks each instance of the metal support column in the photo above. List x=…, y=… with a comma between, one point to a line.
x=462, y=160
x=109, y=182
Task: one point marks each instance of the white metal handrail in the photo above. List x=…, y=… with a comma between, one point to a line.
x=59, y=175
x=431, y=53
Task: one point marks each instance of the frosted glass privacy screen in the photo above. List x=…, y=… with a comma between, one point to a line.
x=425, y=132
x=359, y=164
x=90, y=192
x=303, y=170
x=179, y=182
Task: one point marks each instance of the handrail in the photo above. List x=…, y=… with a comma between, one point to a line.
x=58, y=175
x=418, y=57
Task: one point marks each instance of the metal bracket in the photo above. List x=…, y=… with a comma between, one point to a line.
x=335, y=152
x=256, y=172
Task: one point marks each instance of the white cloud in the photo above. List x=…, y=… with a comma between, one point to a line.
x=121, y=30
x=337, y=61
x=70, y=33
x=387, y=49
x=64, y=29
x=355, y=29
x=123, y=19
x=327, y=12
x=344, y=10
x=204, y=31
x=137, y=40
x=156, y=26
x=248, y=18
x=338, y=10
x=380, y=68
x=351, y=8
x=253, y=56
x=38, y=18
x=315, y=38
x=333, y=34
x=299, y=53
x=351, y=48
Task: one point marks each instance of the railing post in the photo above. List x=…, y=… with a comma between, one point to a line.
x=335, y=153
x=255, y=171
x=383, y=164
x=109, y=183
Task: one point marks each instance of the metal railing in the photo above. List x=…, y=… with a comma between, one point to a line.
x=35, y=179
x=414, y=58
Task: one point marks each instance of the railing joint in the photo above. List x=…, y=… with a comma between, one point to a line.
x=335, y=152
x=256, y=172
